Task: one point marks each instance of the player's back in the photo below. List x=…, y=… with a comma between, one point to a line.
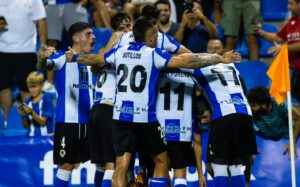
x=174, y=105
x=137, y=68
x=224, y=89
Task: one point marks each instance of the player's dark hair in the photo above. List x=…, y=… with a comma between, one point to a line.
x=141, y=26
x=259, y=95
x=201, y=105
x=76, y=28
x=165, y=2
x=117, y=20
x=150, y=11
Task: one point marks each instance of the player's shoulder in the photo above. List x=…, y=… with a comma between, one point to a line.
x=128, y=34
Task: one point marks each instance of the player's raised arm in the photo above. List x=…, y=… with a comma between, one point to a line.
x=94, y=59
x=198, y=60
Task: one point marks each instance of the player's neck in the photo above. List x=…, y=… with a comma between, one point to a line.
x=78, y=49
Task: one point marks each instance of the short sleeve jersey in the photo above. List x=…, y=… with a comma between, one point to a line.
x=291, y=33
x=224, y=89
x=137, y=68
x=43, y=108
x=105, y=87
x=174, y=105
x=73, y=82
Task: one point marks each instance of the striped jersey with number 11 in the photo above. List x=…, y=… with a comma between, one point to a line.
x=174, y=105
x=224, y=89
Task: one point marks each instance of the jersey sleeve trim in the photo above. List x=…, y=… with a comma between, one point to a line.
x=108, y=54
x=167, y=56
x=173, y=41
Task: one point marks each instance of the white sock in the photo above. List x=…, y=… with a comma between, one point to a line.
x=219, y=170
x=64, y=175
x=108, y=174
x=236, y=170
x=100, y=169
x=181, y=181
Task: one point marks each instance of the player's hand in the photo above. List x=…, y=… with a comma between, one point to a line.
x=231, y=57
x=69, y=54
x=202, y=181
x=115, y=37
x=46, y=52
x=95, y=69
x=287, y=150
x=275, y=49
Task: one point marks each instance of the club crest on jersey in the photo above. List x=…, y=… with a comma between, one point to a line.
x=62, y=153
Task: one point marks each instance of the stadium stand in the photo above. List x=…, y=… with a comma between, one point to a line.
x=14, y=124
x=102, y=37
x=253, y=73
x=274, y=10
x=264, y=45
x=1, y=121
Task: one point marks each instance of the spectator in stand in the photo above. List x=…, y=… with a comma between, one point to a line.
x=191, y=32
x=237, y=14
x=165, y=24
x=61, y=14
x=18, y=34
x=180, y=4
x=290, y=33
x=101, y=14
x=270, y=119
x=37, y=110
x=134, y=7
x=104, y=10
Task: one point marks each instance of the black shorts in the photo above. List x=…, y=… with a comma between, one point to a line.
x=181, y=154
x=231, y=137
x=16, y=66
x=100, y=134
x=128, y=137
x=70, y=143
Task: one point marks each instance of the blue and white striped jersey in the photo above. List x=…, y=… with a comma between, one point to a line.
x=105, y=88
x=224, y=90
x=174, y=105
x=164, y=42
x=137, y=68
x=73, y=82
x=57, y=2
x=43, y=108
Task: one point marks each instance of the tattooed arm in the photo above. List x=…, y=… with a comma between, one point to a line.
x=199, y=60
